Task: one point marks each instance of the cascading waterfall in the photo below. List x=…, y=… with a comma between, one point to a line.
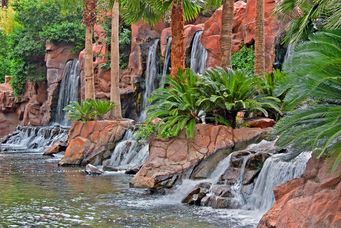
x=166, y=63
x=128, y=154
x=276, y=170
x=33, y=139
x=68, y=91
x=199, y=54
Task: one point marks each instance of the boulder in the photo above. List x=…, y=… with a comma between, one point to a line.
x=93, y=141
x=55, y=149
x=169, y=159
x=311, y=201
x=92, y=170
x=260, y=123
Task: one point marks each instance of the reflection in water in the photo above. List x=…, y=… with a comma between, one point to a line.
x=35, y=191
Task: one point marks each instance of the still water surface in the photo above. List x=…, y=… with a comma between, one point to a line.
x=34, y=191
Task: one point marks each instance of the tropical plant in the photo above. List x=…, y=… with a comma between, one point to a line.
x=314, y=75
x=225, y=93
x=176, y=105
x=307, y=16
x=88, y=110
x=244, y=60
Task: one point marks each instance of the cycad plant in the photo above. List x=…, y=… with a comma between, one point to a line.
x=315, y=77
x=176, y=105
x=225, y=93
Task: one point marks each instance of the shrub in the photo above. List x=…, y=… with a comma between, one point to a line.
x=243, y=60
x=88, y=110
x=176, y=105
x=225, y=93
x=315, y=80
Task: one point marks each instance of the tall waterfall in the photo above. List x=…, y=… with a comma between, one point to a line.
x=199, y=54
x=151, y=76
x=68, y=91
x=33, y=139
x=166, y=63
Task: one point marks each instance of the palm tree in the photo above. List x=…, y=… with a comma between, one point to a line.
x=115, y=62
x=259, y=39
x=89, y=19
x=226, y=33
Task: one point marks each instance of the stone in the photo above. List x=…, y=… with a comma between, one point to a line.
x=176, y=156
x=260, y=123
x=92, y=170
x=93, y=141
x=316, y=196
x=55, y=149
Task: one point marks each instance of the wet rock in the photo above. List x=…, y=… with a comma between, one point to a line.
x=316, y=196
x=197, y=194
x=175, y=156
x=91, y=142
x=230, y=176
x=222, y=190
x=249, y=176
x=55, y=149
x=260, y=123
x=92, y=170
x=255, y=162
x=132, y=171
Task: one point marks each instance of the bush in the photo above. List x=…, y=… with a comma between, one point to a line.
x=89, y=110
x=244, y=60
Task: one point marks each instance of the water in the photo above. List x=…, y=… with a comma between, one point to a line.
x=199, y=54
x=128, y=154
x=36, y=192
x=68, y=91
x=151, y=76
x=166, y=63
x=33, y=139
x=276, y=170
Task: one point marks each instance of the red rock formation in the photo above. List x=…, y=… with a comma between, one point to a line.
x=169, y=158
x=311, y=201
x=93, y=141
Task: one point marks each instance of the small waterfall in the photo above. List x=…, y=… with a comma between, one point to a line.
x=68, y=91
x=276, y=170
x=33, y=139
x=166, y=63
x=151, y=76
x=128, y=154
x=199, y=54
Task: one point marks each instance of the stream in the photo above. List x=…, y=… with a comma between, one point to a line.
x=34, y=191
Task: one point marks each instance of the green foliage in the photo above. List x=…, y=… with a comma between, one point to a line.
x=66, y=32
x=4, y=60
x=225, y=93
x=243, y=60
x=176, y=105
x=88, y=110
x=314, y=75
x=25, y=46
x=145, y=131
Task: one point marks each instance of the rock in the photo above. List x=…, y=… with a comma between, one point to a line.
x=197, y=194
x=173, y=157
x=222, y=190
x=316, y=196
x=55, y=149
x=132, y=171
x=93, y=141
x=260, y=123
x=92, y=170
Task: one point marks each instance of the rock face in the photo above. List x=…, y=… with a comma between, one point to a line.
x=169, y=159
x=311, y=201
x=93, y=141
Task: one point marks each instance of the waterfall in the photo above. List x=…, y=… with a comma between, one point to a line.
x=68, y=91
x=33, y=139
x=199, y=54
x=276, y=170
x=128, y=154
x=166, y=63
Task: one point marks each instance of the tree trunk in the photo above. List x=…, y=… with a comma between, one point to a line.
x=178, y=49
x=3, y=3
x=88, y=65
x=259, y=39
x=89, y=19
x=115, y=63
x=226, y=33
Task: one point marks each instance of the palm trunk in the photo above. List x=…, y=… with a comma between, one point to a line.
x=259, y=39
x=115, y=63
x=89, y=19
x=88, y=65
x=226, y=33
x=177, y=25
x=4, y=3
